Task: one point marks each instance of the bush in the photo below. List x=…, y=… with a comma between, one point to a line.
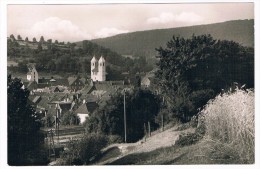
x=48, y=120
x=229, y=119
x=70, y=118
x=83, y=151
x=115, y=139
x=191, y=138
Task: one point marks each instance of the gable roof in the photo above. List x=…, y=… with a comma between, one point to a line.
x=32, y=85
x=43, y=103
x=36, y=99
x=54, y=89
x=87, y=108
x=145, y=81
x=72, y=80
x=65, y=106
x=53, y=82
x=83, y=80
x=60, y=82
x=88, y=89
x=58, y=97
x=89, y=97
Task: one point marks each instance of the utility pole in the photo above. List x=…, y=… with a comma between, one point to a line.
x=162, y=123
x=149, y=129
x=57, y=123
x=124, y=117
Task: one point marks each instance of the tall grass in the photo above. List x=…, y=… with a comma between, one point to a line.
x=229, y=119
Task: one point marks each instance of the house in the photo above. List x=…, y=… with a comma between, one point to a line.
x=146, y=82
x=147, y=79
x=75, y=83
x=85, y=110
x=59, y=82
x=54, y=89
x=44, y=82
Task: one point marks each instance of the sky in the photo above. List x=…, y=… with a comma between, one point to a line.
x=84, y=22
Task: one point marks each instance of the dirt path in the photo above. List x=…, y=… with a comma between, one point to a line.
x=166, y=138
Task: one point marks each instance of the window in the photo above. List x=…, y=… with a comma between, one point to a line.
x=103, y=64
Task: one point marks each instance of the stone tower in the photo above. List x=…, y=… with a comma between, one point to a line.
x=32, y=74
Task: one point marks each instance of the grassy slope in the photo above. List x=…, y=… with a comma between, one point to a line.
x=160, y=150
x=145, y=42
x=204, y=152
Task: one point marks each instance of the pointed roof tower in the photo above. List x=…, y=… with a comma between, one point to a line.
x=101, y=59
x=94, y=59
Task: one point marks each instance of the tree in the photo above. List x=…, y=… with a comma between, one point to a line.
x=70, y=118
x=56, y=42
x=34, y=40
x=12, y=37
x=22, y=66
x=26, y=39
x=192, y=71
x=42, y=39
x=19, y=37
x=23, y=124
x=141, y=107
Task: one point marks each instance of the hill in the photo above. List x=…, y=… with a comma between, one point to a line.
x=58, y=58
x=143, y=43
x=50, y=57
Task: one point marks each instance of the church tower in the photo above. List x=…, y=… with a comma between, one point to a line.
x=32, y=74
x=102, y=69
x=94, y=69
x=98, y=69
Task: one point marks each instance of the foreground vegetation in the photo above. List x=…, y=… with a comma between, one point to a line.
x=25, y=141
x=230, y=120
x=216, y=140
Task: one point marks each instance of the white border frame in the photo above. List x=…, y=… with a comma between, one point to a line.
x=3, y=70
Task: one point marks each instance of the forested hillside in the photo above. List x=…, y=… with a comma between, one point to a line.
x=143, y=43
x=58, y=57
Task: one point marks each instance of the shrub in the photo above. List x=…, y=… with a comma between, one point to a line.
x=48, y=120
x=70, y=118
x=191, y=138
x=229, y=119
x=83, y=151
x=115, y=139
